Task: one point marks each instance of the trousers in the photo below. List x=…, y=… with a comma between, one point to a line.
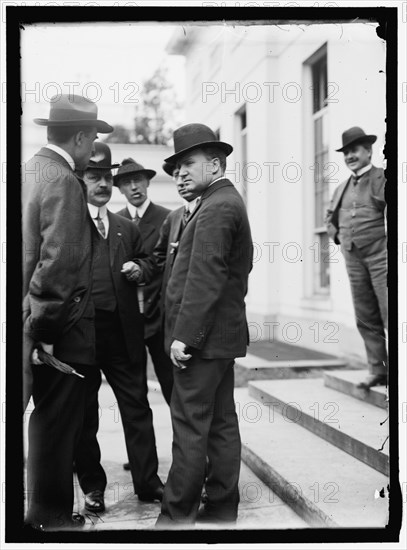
x=205, y=425
x=127, y=380
x=367, y=272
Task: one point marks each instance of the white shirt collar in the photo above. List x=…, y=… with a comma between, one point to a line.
x=95, y=210
x=363, y=170
x=63, y=154
x=139, y=209
x=102, y=211
x=191, y=205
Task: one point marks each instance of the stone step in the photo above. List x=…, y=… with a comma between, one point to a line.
x=346, y=381
x=358, y=428
x=324, y=485
x=253, y=367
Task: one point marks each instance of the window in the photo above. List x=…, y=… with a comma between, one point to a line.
x=321, y=170
x=242, y=131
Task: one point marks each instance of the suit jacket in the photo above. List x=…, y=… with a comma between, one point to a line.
x=125, y=244
x=149, y=227
x=204, y=304
x=164, y=253
x=57, y=259
x=377, y=186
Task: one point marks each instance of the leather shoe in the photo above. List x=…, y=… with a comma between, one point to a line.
x=204, y=496
x=95, y=501
x=126, y=466
x=373, y=380
x=204, y=516
x=153, y=494
x=78, y=520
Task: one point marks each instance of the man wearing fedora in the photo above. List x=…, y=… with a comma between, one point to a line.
x=119, y=325
x=205, y=330
x=58, y=310
x=133, y=181
x=356, y=221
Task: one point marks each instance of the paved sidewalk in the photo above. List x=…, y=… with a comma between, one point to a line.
x=259, y=508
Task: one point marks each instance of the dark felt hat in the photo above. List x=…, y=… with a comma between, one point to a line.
x=130, y=166
x=193, y=136
x=102, y=158
x=169, y=168
x=74, y=110
x=355, y=135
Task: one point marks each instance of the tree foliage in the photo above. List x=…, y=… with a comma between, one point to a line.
x=158, y=112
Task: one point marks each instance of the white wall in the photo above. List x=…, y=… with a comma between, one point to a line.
x=279, y=206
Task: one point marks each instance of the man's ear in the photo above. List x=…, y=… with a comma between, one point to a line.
x=78, y=137
x=216, y=165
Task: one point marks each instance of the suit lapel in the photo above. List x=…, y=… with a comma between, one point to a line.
x=114, y=237
x=340, y=193
x=176, y=227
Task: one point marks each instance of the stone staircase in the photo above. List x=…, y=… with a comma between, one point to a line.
x=320, y=444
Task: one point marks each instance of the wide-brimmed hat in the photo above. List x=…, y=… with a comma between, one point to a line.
x=102, y=158
x=355, y=135
x=74, y=110
x=193, y=136
x=169, y=168
x=130, y=166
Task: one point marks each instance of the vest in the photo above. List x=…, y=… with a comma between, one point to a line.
x=360, y=221
x=103, y=292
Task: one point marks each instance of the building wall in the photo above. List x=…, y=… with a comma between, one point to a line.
x=265, y=69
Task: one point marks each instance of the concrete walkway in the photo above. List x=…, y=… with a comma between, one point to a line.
x=259, y=507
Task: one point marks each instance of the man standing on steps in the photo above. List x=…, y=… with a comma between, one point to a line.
x=205, y=330
x=356, y=221
x=118, y=250
x=133, y=181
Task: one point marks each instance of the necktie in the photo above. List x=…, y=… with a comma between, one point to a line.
x=185, y=216
x=101, y=225
x=136, y=219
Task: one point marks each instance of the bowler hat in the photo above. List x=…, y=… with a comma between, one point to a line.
x=130, y=166
x=194, y=136
x=169, y=168
x=355, y=135
x=102, y=158
x=74, y=110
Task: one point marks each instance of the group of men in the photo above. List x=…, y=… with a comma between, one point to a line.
x=85, y=269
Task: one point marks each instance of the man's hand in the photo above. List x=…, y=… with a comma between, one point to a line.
x=132, y=271
x=49, y=348
x=178, y=354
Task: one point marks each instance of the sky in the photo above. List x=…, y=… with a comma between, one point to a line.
x=105, y=62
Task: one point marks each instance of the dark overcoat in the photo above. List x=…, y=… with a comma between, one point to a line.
x=125, y=244
x=149, y=227
x=204, y=304
x=57, y=259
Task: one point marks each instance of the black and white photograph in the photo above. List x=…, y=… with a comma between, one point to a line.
x=204, y=319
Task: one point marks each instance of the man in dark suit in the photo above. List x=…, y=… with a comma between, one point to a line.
x=133, y=181
x=58, y=310
x=205, y=330
x=119, y=344
x=356, y=221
